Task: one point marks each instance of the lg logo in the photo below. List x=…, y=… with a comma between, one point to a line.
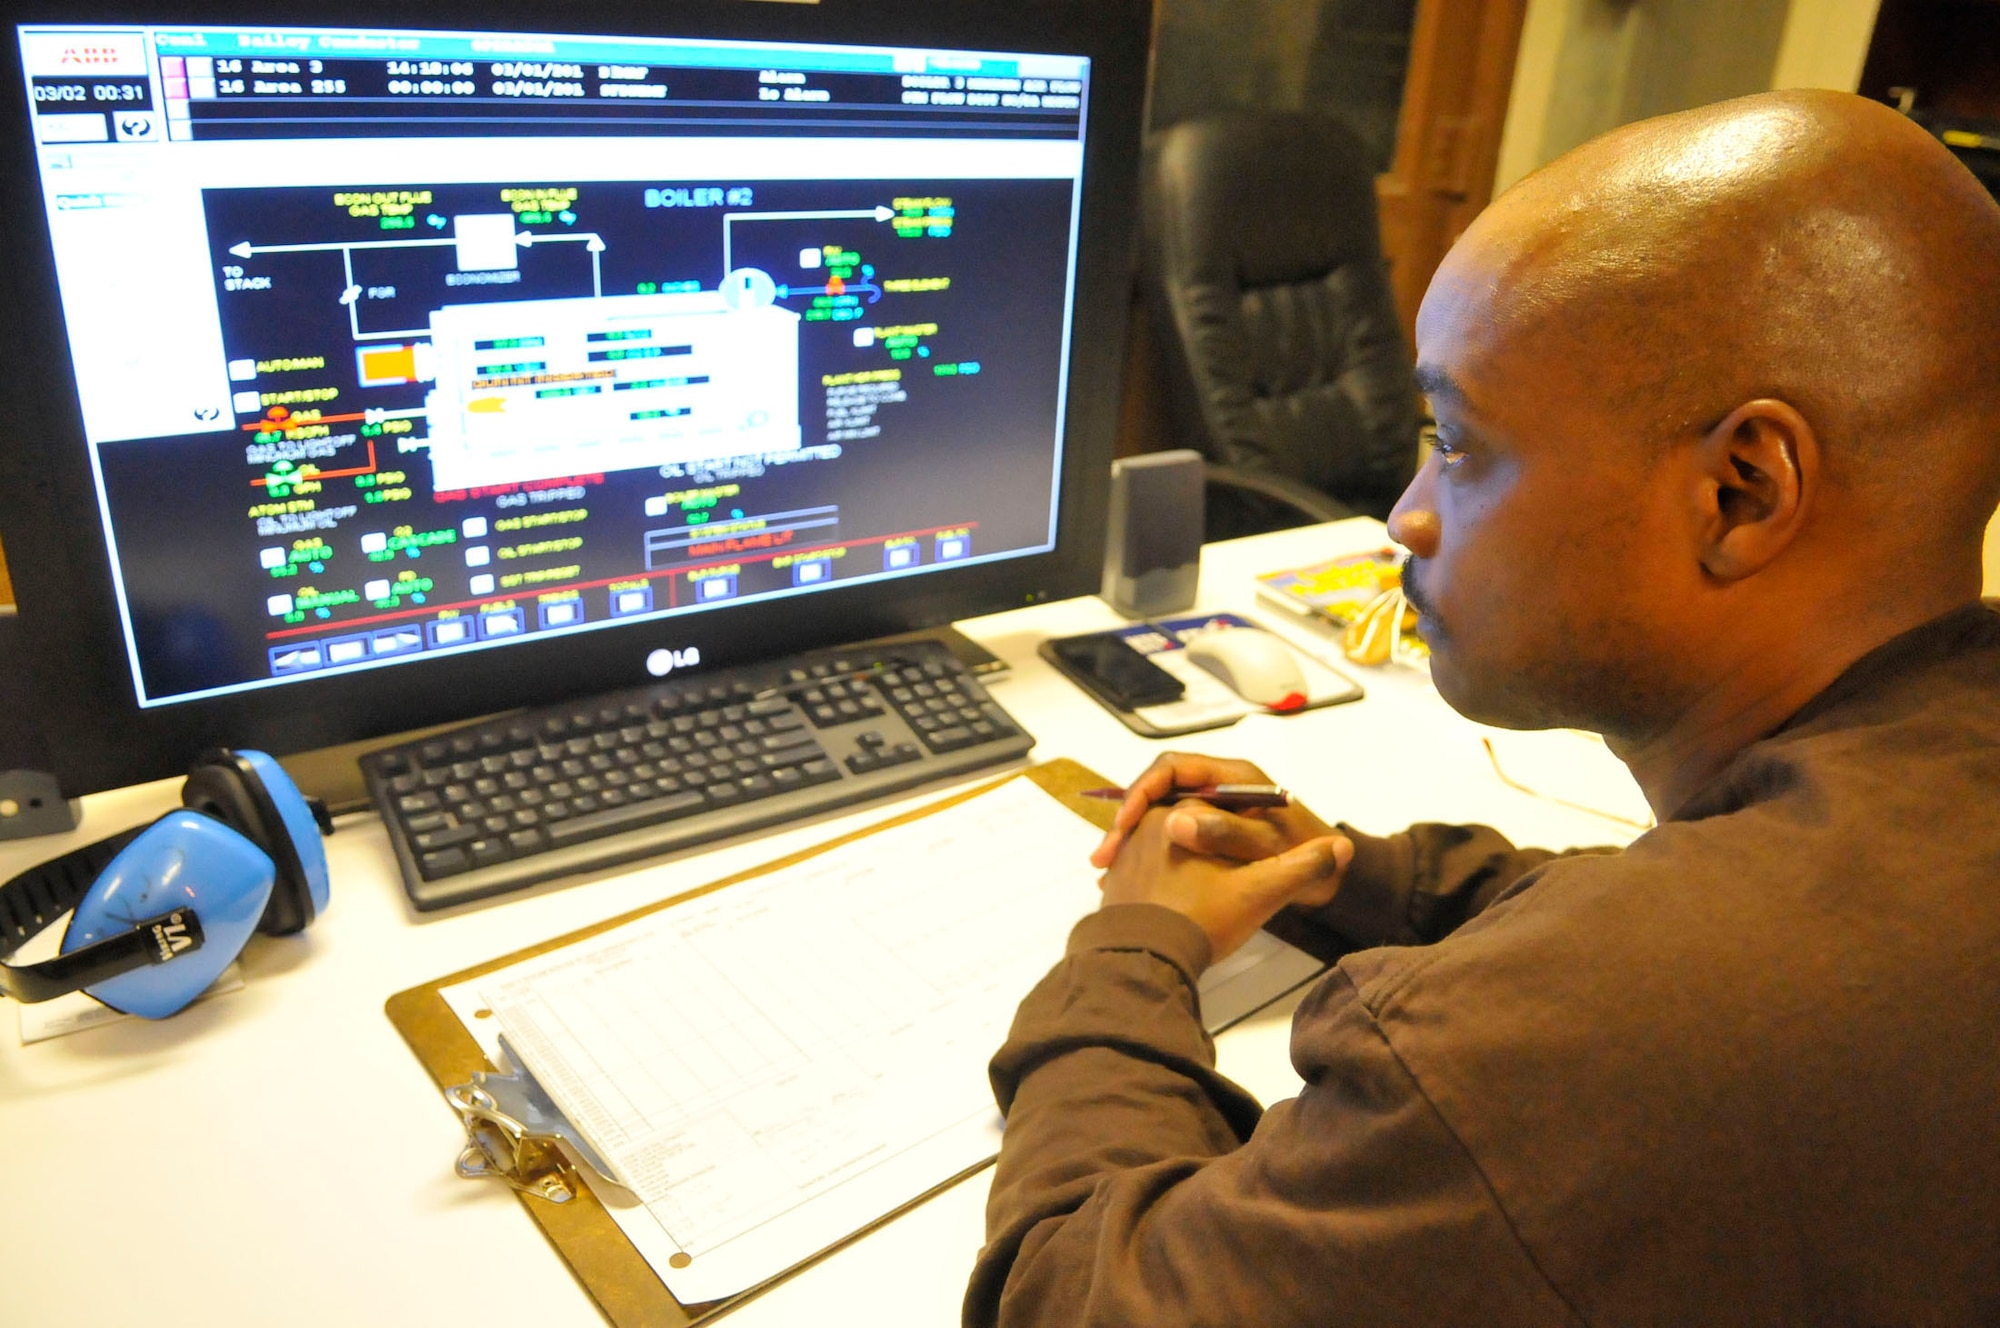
x=664, y=661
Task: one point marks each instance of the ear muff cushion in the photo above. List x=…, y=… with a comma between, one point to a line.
x=224, y=785
x=180, y=861
x=303, y=839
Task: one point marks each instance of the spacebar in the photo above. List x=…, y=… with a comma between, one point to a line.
x=611, y=820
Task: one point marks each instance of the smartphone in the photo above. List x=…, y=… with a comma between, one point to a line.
x=1106, y=664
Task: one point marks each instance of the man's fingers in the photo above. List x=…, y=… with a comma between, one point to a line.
x=1163, y=776
x=1200, y=828
x=1174, y=770
x=1309, y=873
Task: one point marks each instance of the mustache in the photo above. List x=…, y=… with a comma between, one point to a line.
x=1412, y=590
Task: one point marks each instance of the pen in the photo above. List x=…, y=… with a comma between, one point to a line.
x=1228, y=797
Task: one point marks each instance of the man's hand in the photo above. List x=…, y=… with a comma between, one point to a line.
x=1200, y=828
x=1227, y=899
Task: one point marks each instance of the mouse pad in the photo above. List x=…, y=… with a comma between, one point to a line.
x=1208, y=703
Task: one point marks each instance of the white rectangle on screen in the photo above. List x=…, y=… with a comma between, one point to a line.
x=542, y=389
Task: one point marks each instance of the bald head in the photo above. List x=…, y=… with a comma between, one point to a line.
x=1813, y=247
x=1718, y=407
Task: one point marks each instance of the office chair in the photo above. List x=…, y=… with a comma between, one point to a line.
x=1285, y=363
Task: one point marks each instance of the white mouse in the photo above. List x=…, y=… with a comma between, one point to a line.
x=1256, y=665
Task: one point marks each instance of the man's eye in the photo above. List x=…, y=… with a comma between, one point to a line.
x=1448, y=456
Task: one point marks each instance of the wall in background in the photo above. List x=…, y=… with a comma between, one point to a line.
x=1825, y=44
x=1587, y=66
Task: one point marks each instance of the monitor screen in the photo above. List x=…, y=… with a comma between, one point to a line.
x=402, y=364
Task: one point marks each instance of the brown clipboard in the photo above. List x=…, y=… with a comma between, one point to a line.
x=624, y=1286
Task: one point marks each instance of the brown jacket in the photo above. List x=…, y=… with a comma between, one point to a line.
x=1745, y=1071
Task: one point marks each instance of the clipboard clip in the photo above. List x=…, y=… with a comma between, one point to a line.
x=514, y=1133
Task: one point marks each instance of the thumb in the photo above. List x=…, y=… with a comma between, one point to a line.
x=1308, y=874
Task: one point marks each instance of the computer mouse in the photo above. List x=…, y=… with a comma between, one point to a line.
x=1256, y=665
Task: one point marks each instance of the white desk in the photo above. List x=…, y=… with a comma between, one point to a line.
x=276, y=1155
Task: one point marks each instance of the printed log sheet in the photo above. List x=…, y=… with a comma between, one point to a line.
x=773, y=1066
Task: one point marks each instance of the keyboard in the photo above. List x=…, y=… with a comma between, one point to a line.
x=506, y=802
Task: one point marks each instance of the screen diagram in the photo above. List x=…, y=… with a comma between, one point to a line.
x=473, y=411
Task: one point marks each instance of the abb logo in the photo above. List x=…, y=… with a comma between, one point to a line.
x=70, y=54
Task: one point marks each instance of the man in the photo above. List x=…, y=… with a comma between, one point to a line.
x=1718, y=403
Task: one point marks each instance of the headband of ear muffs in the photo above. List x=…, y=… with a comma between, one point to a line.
x=157, y=913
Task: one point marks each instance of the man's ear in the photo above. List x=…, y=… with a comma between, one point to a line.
x=1759, y=471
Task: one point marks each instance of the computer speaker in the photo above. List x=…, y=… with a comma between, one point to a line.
x=1152, y=551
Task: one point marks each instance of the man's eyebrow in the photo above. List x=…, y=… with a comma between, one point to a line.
x=1436, y=384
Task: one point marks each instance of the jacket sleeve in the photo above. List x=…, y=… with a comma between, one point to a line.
x=1413, y=888
x=1137, y=1186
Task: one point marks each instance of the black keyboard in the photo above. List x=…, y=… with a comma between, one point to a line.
x=510, y=801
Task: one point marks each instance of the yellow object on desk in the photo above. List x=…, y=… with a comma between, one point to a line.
x=1360, y=596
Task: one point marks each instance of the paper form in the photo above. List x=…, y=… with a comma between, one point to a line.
x=774, y=1066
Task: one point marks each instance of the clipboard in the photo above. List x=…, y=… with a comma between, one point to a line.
x=623, y=1284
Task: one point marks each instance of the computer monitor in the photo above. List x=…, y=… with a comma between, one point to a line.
x=372, y=365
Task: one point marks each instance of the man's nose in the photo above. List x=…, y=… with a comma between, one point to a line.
x=1413, y=524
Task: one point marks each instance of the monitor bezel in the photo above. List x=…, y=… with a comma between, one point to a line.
x=80, y=685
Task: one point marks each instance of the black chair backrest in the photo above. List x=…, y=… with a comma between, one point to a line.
x=1265, y=269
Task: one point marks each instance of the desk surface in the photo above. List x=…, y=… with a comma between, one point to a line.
x=277, y=1154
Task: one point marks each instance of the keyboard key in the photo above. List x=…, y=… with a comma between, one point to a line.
x=445, y=862
x=525, y=841
x=431, y=840
x=486, y=852
x=579, y=828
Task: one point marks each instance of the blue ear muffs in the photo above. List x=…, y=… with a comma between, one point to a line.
x=158, y=913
